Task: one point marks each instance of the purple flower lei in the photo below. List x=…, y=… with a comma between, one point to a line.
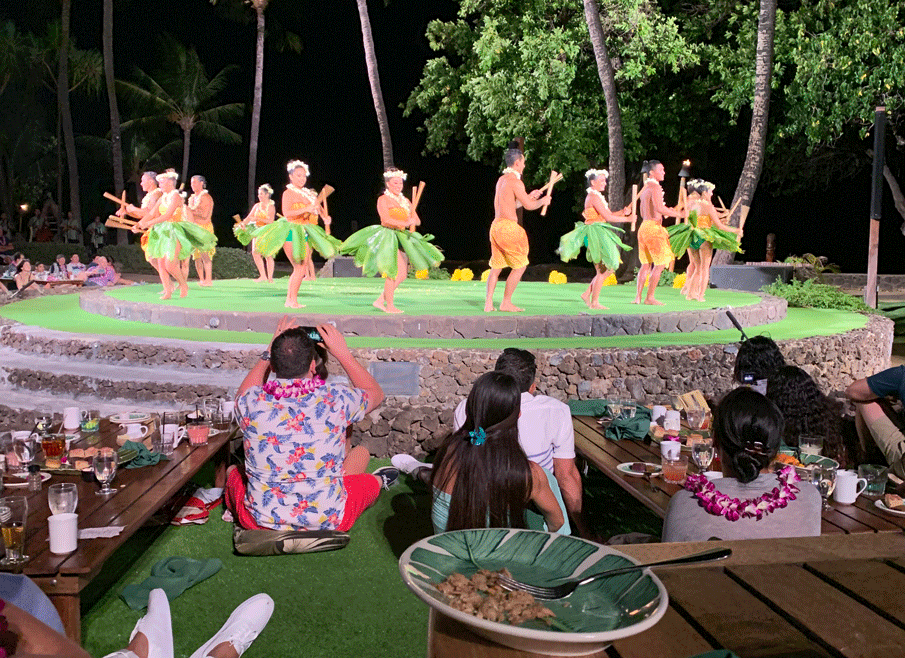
x=293, y=389
x=719, y=504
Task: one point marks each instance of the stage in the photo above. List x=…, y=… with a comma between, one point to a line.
x=125, y=346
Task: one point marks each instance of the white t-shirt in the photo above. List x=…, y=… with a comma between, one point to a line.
x=545, y=429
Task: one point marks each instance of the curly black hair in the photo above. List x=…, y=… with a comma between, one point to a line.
x=758, y=356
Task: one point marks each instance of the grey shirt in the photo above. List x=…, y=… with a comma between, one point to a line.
x=687, y=520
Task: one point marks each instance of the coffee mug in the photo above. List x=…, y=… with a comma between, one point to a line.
x=848, y=487
x=135, y=430
x=658, y=414
x=673, y=420
x=64, y=533
x=72, y=417
x=172, y=434
x=670, y=449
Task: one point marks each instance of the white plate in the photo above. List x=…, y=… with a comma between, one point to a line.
x=130, y=418
x=24, y=483
x=881, y=505
x=626, y=469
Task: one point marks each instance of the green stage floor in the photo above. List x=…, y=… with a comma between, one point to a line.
x=62, y=313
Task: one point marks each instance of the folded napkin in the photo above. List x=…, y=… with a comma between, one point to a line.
x=630, y=428
x=145, y=457
x=173, y=575
x=595, y=408
x=100, y=533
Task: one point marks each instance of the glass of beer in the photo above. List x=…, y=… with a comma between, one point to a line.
x=13, y=512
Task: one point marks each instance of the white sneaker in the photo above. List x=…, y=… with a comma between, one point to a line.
x=407, y=464
x=243, y=626
x=156, y=626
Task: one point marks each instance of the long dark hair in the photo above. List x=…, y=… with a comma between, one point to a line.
x=758, y=356
x=747, y=428
x=492, y=480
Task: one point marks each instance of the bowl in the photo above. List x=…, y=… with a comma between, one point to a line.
x=809, y=462
x=587, y=621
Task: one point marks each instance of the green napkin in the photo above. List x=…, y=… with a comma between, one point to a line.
x=595, y=408
x=174, y=575
x=630, y=428
x=145, y=457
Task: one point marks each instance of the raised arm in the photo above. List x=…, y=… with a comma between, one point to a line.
x=602, y=210
x=531, y=201
x=708, y=208
x=358, y=375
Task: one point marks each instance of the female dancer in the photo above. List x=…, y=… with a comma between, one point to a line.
x=715, y=234
x=387, y=248
x=201, y=209
x=148, y=201
x=261, y=215
x=481, y=477
x=602, y=241
x=296, y=230
x=171, y=239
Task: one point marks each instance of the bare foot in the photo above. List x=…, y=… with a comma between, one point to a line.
x=392, y=309
x=510, y=308
x=183, y=291
x=293, y=304
x=698, y=299
x=258, y=280
x=586, y=296
x=637, y=300
x=379, y=304
x=653, y=302
x=488, y=307
x=598, y=307
x=166, y=294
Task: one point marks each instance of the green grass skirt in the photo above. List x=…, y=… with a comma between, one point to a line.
x=271, y=238
x=601, y=240
x=173, y=240
x=374, y=248
x=243, y=235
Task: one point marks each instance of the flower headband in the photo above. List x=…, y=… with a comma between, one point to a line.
x=266, y=188
x=478, y=436
x=169, y=173
x=596, y=172
x=295, y=164
x=698, y=182
x=395, y=173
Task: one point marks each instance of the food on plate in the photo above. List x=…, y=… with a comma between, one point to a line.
x=892, y=501
x=482, y=596
x=790, y=460
x=641, y=467
x=79, y=453
x=81, y=464
x=52, y=463
x=658, y=432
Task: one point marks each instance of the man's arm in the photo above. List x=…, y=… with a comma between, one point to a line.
x=566, y=473
x=859, y=391
x=660, y=205
x=358, y=375
x=529, y=201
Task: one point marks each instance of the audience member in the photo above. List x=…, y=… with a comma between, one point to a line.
x=40, y=273
x=6, y=245
x=100, y=274
x=35, y=224
x=749, y=501
x=23, y=274
x=482, y=477
x=301, y=471
x=807, y=411
x=97, y=234
x=757, y=358
x=875, y=417
x=58, y=269
x=71, y=230
x=13, y=268
x=75, y=266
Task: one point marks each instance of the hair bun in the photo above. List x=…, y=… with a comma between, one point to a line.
x=514, y=144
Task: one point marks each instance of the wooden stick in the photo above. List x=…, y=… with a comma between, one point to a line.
x=123, y=220
x=237, y=218
x=634, y=214
x=722, y=203
x=417, y=191
x=116, y=199
x=326, y=191
x=549, y=188
x=113, y=223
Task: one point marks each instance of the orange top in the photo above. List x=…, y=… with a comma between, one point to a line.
x=591, y=215
x=292, y=200
x=259, y=214
x=164, y=206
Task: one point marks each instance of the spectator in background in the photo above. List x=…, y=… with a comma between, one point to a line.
x=6, y=245
x=71, y=230
x=13, y=266
x=97, y=234
x=35, y=224
x=101, y=273
x=757, y=358
x=23, y=274
x=40, y=272
x=58, y=269
x=75, y=267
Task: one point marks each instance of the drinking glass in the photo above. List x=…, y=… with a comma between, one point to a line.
x=627, y=412
x=105, y=462
x=695, y=418
x=675, y=470
x=702, y=452
x=62, y=498
x=13, y=512
x=91, y=421
x=43, y=423
x=825, y=479
x=810, y=445
x=615, y=409
x=24, y=447
x=876, y=477
x=53, y=445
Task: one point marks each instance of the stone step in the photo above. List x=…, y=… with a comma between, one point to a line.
x=151, y=385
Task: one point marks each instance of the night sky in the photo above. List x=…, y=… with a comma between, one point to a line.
x=317, y=107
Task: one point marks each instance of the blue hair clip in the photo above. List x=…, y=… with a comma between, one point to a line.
x=478, y=436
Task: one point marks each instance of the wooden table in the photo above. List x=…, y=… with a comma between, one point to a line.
x=833, y=595
x=140, y=493
x=862, y=516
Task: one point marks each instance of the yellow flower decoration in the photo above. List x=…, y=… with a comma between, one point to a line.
x=421, y=274
x=456, y=275
x=466, y=274
x=679, y=281
x=485, y=275
x=557, y=277
x=611, y=281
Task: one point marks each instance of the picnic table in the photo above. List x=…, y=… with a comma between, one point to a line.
x=654, y=493
x=833, y=595
x=140, y=493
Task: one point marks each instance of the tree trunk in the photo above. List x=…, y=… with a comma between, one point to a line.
x=760, y=111
x=186, y=145
x=256, y=104
x=116, y=142
x=66, y=115
x=374, y=79
x=616, y=181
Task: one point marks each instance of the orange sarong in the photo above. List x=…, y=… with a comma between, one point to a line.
x=508, y=244
x=653, y=244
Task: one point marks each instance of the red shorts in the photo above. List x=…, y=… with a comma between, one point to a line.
x=361, y=491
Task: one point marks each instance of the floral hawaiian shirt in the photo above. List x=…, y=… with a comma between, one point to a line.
x=294, y=454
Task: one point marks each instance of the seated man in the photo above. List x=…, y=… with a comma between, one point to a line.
x=302, y=474
x=58, y=269
x=875, y=417
x=6, y=245
x=100, y=274
x=75, y=266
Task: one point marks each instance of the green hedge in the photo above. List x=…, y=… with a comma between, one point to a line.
x=811, y=294
x=229, y=262
x=46, y=252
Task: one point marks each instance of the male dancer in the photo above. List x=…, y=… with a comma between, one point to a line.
x=654, y=251
x=508, y=240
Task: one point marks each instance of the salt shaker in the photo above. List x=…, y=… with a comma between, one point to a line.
x=34, y=478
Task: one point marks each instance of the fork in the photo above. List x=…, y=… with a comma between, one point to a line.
x=565, y=589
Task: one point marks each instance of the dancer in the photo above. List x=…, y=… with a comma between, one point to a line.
x=653, y=241
x=152, y=195
x=388, y=248
x=201, y=209
x=170, y=239
x=595, y=233
x=717, y=235
x=508, y=240
x=296, y=230
x=261, y=214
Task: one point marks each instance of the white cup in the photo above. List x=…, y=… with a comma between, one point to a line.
x=64, y=533
x=672, y=421
x=713, y=475
x=658, y=414
x=670, y=449
x=848, y=487
x=72, y=417
x=227, y=407
x=172, y=434
x=135, y=430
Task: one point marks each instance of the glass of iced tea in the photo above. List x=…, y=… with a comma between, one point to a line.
x=675, y=470
x=53, y=445
x=13, y=513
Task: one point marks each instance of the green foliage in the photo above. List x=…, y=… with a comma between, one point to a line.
x=814, y=267
x=128, y=258
x=436, y=273
x=232, y=263
x=811, y=294
x=526, y=68
x=46, y=252
x=895, y=311
x=666, y=278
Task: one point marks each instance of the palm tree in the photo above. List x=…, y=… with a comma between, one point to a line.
x=66, y=113
x=374, y=79
x=115, y=132
x=182, y=94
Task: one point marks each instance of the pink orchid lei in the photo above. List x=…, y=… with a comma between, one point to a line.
x=295, y=388
x=719, y=504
